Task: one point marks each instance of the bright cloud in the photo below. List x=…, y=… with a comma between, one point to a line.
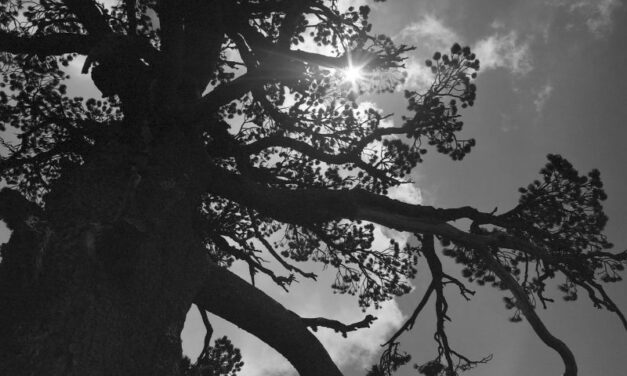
x=408, y=193
x=429, y=34
x=419, y=76
x=431, y=31
x=504, y=51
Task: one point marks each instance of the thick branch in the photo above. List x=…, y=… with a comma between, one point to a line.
x=53, y=44
x=311, y=205
x=231, y=298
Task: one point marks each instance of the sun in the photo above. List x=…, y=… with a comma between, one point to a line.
x=353, y=74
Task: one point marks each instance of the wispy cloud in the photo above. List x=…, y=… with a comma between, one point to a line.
x=504, y=51
x=597, y=14
x=542, y=96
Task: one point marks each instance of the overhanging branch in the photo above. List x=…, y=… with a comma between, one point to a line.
x=306, y=206
x=231, y=298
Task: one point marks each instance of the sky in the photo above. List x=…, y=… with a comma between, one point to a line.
x=553, y=79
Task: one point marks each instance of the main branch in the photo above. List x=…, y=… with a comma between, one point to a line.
x=306, y=206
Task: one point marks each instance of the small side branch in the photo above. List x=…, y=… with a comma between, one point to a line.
x=465, y=291
x=409, y=324
x=259, y=236
x=205, y=349
x=338, y=326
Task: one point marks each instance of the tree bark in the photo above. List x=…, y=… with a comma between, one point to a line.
x=112, y=266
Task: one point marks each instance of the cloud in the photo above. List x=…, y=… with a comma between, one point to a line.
x=408, y=193
x=504, y=51
x=501, y=49
x=429, y=30
x=543, y=96
x=597, y=14
x=419, y=76
x=429, y=34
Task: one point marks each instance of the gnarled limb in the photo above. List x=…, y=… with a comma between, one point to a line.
x=323, y=205
x=231, y=298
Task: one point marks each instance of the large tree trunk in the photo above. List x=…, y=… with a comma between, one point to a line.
x=100, y=284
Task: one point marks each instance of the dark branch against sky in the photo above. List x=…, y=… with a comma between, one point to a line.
x=552, y=81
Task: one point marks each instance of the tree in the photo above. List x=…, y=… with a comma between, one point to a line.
x=220, y=138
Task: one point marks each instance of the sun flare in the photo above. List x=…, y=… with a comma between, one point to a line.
x=353, y=74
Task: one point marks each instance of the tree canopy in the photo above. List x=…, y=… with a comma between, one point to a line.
x=235, y=130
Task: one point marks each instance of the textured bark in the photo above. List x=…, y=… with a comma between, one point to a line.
x=119, y=264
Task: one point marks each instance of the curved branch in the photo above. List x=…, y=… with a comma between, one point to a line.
x=527, y=309
x=409, y=324
x=231, y=298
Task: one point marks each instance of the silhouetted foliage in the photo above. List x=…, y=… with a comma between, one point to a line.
x=228, y=131
x=223, y=359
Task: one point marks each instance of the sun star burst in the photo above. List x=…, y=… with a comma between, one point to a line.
x=353, y=74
